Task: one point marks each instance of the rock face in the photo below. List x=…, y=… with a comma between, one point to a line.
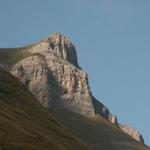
x=52, y=74
x=5, y=67
x=104, y=111
x=132, y=132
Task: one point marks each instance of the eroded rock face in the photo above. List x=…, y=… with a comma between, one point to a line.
x=132, y=132
x=58, y=46
x=103, y=111
x=52, y=74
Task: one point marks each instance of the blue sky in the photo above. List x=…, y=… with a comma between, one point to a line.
x=112, y=38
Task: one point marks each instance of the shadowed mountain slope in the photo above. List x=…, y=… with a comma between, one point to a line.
x=26, y=125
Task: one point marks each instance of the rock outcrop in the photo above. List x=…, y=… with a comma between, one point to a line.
x=52, y=74
x=132, y=132
x=103, y=111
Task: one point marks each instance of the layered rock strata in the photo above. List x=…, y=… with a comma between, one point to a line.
x=52, y=74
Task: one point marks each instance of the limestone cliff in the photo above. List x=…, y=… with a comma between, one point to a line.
x=50, y=70
x=52, y=74
x=132, y=132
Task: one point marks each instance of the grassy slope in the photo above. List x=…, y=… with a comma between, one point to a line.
x=11, y=56
x=26, y=125
x=97, y=132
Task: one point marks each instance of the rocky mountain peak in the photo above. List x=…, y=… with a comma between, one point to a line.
x=57, y=45
x=58, y=38
x=51, y=72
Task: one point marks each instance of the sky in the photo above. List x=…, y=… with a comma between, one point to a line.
x=112, y=38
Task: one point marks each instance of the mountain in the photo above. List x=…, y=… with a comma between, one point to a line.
x=50, y=70
x=26, y=125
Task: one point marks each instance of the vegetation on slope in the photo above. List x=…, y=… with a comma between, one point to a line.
x=26, y=125
x=97, y=132
x=11, y=56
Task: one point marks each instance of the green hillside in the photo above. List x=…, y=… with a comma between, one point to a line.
x=97, y=132
x=25, y=125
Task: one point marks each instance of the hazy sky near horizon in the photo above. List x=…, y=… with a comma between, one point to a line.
x=112, y=38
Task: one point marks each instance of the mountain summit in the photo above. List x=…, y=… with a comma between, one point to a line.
x=52, y=74
x=57, y=45
x=50, y=70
